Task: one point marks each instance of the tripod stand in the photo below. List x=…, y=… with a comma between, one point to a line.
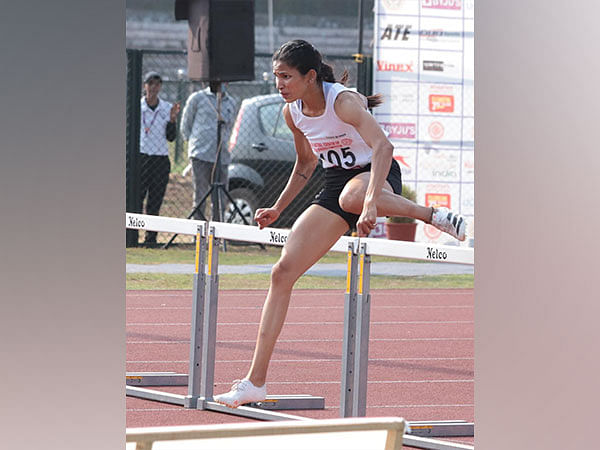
x=217, y=185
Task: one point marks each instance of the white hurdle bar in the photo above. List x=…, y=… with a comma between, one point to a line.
x=356, y=325
x=144, y=438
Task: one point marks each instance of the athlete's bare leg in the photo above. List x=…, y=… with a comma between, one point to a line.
x=388, y=203
x=312, y=235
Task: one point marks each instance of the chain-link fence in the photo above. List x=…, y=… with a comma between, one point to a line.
x=257, y=151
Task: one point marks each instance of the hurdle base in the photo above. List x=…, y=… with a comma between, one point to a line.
x=433, y=444
x=271, y=403
x=250, y=412
x=154, y=395
x=290, y=402
x=442, y=428
x=156, y=379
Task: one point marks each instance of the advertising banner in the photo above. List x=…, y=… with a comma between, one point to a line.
x=423, y=59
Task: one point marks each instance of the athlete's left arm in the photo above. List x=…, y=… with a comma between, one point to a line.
x=350, y=108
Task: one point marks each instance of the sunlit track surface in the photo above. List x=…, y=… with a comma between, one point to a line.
x=420, y=354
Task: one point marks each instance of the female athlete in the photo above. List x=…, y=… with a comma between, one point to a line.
x=331, y=124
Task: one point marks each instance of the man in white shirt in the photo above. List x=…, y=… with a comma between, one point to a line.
x=158, y=126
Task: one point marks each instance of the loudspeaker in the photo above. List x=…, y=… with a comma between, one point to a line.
x=220, y=38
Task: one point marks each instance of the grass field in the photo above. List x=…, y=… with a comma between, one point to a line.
x=242, y=255
x=235, y=255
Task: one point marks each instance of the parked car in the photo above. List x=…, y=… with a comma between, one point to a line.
x=262, y=158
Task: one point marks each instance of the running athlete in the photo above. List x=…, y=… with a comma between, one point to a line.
x=331, y=124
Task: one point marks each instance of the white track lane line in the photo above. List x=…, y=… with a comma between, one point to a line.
x=373, y=307
x=307, y=292
x=466, y=405
x=336, y=360
x=242, y=341
x=282, y=383
x=414, y=322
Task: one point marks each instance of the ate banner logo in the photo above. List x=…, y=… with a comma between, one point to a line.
x=396, y=32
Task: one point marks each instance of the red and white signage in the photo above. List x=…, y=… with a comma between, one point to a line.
x=423, y=61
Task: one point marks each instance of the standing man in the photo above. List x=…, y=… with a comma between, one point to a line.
x=159, y=125
x=199, y=126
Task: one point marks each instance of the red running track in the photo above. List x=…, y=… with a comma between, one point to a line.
x=421, y=350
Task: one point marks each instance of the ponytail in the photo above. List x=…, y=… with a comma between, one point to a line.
x=325, y=73
x=373, y=101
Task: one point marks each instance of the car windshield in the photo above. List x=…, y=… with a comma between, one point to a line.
x=268, y=117
x=282, y=131
x=272, y=122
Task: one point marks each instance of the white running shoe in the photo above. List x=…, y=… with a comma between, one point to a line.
x=242, y=391
x=453, y=224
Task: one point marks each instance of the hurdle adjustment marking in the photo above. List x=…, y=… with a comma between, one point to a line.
x=349, y=340
x=197, y=325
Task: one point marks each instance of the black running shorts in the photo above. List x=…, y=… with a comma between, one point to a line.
x=335, y=180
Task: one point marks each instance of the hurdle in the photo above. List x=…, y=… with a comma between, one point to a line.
x=200, y=378
x=356, y=326
x=353, y=433
x=355, y=372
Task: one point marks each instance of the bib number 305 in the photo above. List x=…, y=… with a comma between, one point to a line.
x=333, y=156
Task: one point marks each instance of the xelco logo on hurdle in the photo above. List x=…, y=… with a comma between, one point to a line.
x=434, y=253
x=134, y=222
x=277, y=238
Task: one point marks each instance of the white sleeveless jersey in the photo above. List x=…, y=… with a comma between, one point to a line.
x=336, y=143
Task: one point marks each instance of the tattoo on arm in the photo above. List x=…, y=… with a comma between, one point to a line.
x=302, y=175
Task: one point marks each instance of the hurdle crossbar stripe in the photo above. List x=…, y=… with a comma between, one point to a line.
x=162, y=224
x=197, y=258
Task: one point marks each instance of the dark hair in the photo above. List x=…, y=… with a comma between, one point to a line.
x=152, y=76
x=302, y=56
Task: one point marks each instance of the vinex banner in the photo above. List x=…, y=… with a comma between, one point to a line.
x=423, y=61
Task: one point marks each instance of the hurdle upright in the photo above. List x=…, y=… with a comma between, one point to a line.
x=420, y=251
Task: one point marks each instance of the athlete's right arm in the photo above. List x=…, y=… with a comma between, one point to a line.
x=305, y=165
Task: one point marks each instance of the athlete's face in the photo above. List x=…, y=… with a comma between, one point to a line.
x=290, y=83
